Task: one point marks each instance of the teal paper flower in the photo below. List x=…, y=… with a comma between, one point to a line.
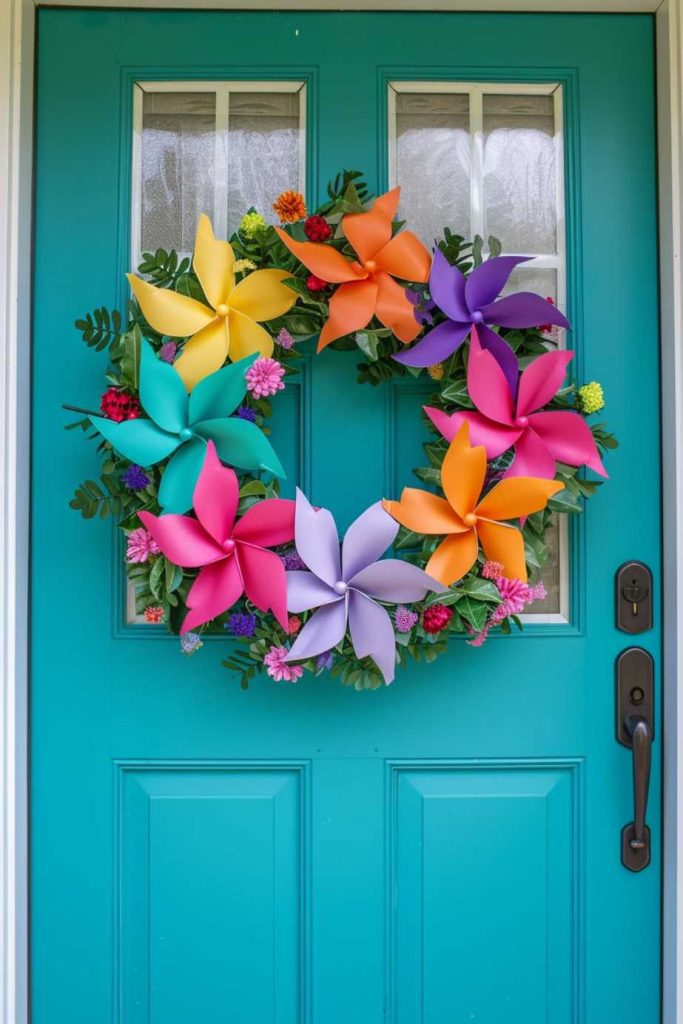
x=180, y=425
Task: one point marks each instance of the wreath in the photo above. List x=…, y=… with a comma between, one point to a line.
x=192, y=479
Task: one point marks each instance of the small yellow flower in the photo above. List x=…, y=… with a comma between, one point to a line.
x=251, y=223
x=436, y=371
x=290, y=206
x=591, y=397
x=240, y=266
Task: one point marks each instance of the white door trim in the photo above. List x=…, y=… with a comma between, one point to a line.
x=17, y=37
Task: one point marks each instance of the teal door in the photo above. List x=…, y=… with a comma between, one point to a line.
x=446, y=849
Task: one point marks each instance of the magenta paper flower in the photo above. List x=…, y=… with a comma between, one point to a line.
x=540, y=439
x=232, y=553
x=347, y=587
x=474, y=300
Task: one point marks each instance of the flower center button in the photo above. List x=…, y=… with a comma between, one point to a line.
x=222, y=310
x=186, y=434
x=340, y=588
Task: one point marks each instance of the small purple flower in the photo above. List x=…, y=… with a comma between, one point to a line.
x=245, y=413
x=404, y=619
x=292, y=560
x=135, y=478
x=324, y=661
x=190, y=642
x=241, y=624
x=423, y=306
x=285, y=339
x=167, y=351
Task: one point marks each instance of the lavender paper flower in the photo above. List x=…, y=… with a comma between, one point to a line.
x=474, y=300
x=346, y=587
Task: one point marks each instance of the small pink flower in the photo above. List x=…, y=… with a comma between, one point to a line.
x=264, y=377
x=167, y=351
x=141, y=545
x=285, y=339
x=293, y=625
x=405, y=619
x=154, y=613
x=516, y=597
x=278, y=669
x=492, y=570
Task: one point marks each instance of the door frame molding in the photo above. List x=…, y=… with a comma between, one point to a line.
x=17, y=46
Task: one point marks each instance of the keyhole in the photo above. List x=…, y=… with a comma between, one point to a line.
x=634, y=593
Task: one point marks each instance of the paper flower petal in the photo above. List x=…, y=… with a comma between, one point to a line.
x=541, y=381
x=246, y=337
x=305, y=590
x=203, y=354
x=220, y=393
x=447, y=288
x=180, y=476
x=453, y=558
x=504, y=544
x=406, y=257
x=264, y=578
x=213, y=261
x=502, y=353
x=437, y=345
x=394, y=580
x=216, y=589
x=317, y=540
x=424, y=512
x=394, y=309
x=162, y=392
x=488, y=279
x=241, y=444
x=372, y=634
x=463, y=472
x=352, y=307
x=182, y=539
x=169, y=312
x=532, y=457
x=487, y=384
x=518, y=496
x=324, y=261
x=523, y=309
x=139, y=440
x=366, y=539
x=495, y=437
x=568, y=438
x=368, y=232
x=261, y=295
x=216, y=496
x=267, y=523
x=322, y=632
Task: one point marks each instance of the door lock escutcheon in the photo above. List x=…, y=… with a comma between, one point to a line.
x=635, y=724
x=633, y=597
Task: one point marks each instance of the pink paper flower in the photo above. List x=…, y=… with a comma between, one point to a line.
x=504, y=419
x=141, y=545
x=230, y=553
x=277, y=667
x=264, y=377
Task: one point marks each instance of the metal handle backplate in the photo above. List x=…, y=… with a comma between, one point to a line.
x=635, y=729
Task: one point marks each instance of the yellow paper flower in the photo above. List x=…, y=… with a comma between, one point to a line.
x=591, y=397
x=290, y=206
x=229, y=325
x=251, y=223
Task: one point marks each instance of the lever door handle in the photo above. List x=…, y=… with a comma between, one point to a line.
x=639, y=730
x=635, y=729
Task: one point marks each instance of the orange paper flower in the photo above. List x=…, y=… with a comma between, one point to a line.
x=467, y=519
x=366, y=286
x=290, y=206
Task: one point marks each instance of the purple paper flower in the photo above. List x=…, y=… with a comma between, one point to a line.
x=245, y=413
x=135, y=478
x=404, y=619
x=241, y=624
x=347, y=587
x=474, y=300
x=167, y=352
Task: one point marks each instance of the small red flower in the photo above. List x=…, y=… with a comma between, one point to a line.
x=316, y=284
x=293, y=624
x=436, y=617
x=116, y=404
x=317, y=228
x=154, y=613
x=547, y=328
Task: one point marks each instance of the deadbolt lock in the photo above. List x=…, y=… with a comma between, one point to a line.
x=633, y=597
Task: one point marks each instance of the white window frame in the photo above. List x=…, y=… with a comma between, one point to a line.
x=476, y=91
x=17, y=48
x=221, y=89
